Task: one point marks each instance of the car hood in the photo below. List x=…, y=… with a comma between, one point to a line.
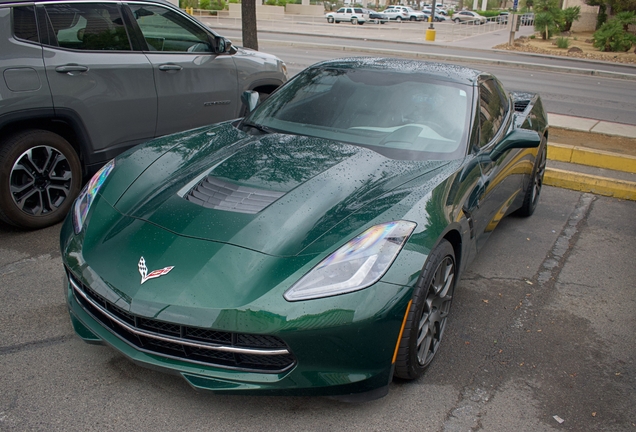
x=276, y=194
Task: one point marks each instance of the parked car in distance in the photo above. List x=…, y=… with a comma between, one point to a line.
x=313, y=247
x=468, y=17
x=96, y=78
x=347, y=14
x=400, y=13
x=437, y=17
x=438, y=11
x=527, y=19
x=376, y=17
x=503, y=17
x=396, y=14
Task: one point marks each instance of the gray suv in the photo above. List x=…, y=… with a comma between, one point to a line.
x=81, y=81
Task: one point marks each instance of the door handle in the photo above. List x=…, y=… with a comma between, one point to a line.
x=71, y=68
x=170, y=67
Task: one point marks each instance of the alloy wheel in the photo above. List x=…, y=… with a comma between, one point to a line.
x=435, y=311
x=40, y=180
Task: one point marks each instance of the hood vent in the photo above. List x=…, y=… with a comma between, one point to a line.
x=521, y=105
x=221, y=195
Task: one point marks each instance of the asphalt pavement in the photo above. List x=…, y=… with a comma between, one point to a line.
x=541, y=338
x=574, y=167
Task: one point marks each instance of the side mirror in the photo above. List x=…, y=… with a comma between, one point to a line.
x=518, y=138
x=250, y=99
x=223, y=45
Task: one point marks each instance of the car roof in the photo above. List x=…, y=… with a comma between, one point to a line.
x=442, y=71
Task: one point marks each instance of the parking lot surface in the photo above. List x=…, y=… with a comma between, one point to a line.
x=542, y=330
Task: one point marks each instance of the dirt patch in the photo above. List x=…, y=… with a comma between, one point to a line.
x=596, y=141
x=577, y=41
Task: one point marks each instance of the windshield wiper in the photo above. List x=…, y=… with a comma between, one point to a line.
x=257, y=126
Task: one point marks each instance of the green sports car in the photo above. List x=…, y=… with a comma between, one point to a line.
x=313, y=246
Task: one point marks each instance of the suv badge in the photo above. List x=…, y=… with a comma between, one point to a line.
x=143, y=271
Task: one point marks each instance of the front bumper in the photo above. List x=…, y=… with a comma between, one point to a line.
x=345, y=358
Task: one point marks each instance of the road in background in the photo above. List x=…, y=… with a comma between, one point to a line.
x=428, y=48
x=593, y=97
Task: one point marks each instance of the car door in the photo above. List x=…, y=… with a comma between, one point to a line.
x=501, y=178
x=195, y=85
x=24, y=85
x=96, y=79
x=348, y=14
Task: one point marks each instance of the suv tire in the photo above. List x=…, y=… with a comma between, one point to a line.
x=40, y=176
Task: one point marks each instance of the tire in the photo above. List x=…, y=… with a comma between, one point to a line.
x=426, y=320
x=456, y=20
x=412, y=18
x=40, y=176
x=398, y=19
x=354, y=21
x=531, y=197
x=330, y=20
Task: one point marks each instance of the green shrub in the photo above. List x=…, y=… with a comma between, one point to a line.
x=570, y=15
x=489, y=13
x=545, y=23
x=563, y=42
x=613, y=37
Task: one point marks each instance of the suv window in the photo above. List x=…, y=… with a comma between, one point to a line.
x=492, y=110
x=90, y=26
x=24, y=25
x=166, y=30
x=356, y=10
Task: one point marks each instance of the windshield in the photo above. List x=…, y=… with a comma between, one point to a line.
x=402, y=115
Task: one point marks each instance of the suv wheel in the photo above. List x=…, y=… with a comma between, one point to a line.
x=40, y=176
x=398, y=19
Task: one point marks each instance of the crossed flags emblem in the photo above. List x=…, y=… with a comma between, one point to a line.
x=143, y=271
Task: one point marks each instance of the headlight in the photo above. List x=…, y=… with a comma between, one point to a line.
x=358, y=264
x=87, y=195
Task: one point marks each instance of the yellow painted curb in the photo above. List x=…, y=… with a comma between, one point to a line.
x=590, y=157
x=590, y=183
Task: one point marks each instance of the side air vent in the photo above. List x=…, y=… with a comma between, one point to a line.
x=221, y=195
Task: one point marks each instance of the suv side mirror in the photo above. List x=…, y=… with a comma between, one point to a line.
x=518, y=138
x=223, y=45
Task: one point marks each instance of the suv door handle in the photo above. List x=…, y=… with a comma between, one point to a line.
x=170, y=67
x=71, y=68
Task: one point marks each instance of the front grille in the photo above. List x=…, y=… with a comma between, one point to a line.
x=263, y=353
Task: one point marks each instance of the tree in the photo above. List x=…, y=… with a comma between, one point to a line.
x=248, y=14
x=570, y=15
x=611, y=7
x=625, y=19
x=548, y=17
